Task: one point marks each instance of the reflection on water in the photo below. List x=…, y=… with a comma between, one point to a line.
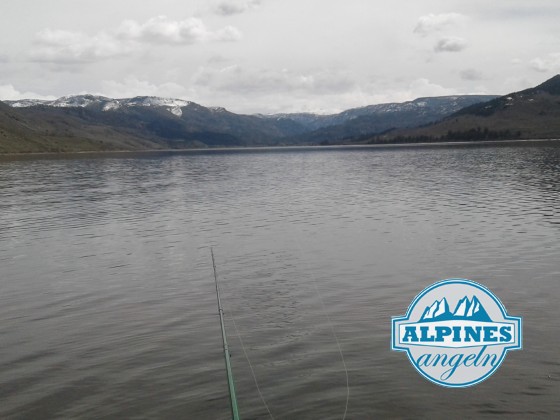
x=106, y=289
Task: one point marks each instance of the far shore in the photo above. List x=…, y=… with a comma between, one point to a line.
x=269, y=148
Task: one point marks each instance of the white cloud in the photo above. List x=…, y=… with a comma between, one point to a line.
x=378, y=93
x=226, y=34
x=131, y=86
x=76, y=47
x=423, y=87
x=516, y=83
x=66, y=47
x=432, y=23
x=162, y=30
x=366, y=94
x=549, y=63
x=228, y=8
x=10, y=93
x=450, y=44
x=266, y=90
x=239, y=79
x=269, y=90
x=84, y=47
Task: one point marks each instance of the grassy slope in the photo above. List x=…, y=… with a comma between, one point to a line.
x=48, y=129
x=532, y=113
x=45, y=130
x=537, y=119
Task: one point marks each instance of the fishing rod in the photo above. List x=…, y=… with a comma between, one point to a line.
x=231, y=384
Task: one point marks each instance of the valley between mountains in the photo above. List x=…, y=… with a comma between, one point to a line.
x=95, y=123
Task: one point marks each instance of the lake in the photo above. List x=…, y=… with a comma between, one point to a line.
x=107, y=296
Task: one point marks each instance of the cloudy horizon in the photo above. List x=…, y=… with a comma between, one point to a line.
x=268, y=56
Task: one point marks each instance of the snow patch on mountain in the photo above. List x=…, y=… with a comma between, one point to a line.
x=176, y=111
x=24, y=103
x=109, y=106
x=155, y=101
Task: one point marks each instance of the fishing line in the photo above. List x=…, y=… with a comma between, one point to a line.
x=232, y=317
x=329, y=321
x=250, y=365
x=331, y=326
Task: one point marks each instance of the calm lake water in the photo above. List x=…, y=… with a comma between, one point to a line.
x=107, y=299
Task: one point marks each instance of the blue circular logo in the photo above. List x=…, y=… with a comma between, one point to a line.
x=456, y=333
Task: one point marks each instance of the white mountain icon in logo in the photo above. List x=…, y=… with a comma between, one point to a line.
x=466, y=309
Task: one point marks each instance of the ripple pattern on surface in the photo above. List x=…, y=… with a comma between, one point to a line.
x=107, y=304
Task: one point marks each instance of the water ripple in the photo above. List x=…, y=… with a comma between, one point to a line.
x=107, y=300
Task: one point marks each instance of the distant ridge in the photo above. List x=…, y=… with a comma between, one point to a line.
x=532, y=113
x=350, y=125
x=90, y=122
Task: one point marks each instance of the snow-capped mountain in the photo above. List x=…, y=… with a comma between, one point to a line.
x=376, y=117
x=89, y=122
x=155, y=122
x=466, y=309
x=106, y=104
x=62, y=102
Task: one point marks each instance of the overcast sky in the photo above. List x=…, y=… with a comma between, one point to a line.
x=276, y=55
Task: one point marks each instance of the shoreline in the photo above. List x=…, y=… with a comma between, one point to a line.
x=271, y=148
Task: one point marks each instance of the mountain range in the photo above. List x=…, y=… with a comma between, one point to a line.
x=89, y=122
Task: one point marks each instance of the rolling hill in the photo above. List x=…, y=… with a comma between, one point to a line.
x=529, y=114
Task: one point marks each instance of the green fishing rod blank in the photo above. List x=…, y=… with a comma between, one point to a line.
x=231, y=383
